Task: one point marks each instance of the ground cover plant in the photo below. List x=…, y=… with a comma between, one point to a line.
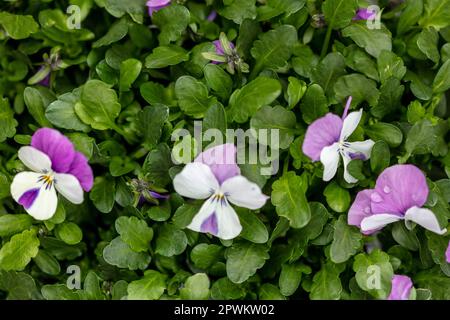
x=117, y=180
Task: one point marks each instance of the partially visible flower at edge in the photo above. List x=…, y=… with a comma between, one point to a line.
x=447, y=253
x=399, y=194
x=401, y=288
x=326, y=140
x=364, y=14
x=155, y=5
x=215, y=177
x=55, y=164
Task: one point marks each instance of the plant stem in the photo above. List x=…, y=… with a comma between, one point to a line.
x=326, y=42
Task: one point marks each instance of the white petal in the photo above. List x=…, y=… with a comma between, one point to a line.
x=378, y=221
x=69, y=187
x=43, y=205
x=360, y=148
x=208, y=208
x=350, y=124
x=243, y=193
x=195, y=181
x=425, y=218
x=330, y=160
x=34, y=159
x=347, y=176
x=228, y=222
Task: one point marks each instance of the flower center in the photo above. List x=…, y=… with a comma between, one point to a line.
x=48, y=179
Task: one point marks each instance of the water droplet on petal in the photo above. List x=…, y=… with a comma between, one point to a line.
x=375, y=197
x=367, y=209
x=386, y=189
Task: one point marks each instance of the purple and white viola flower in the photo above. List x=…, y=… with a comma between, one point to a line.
x=401, y=288
x=155, y=5
x=447, y=253
x=400, y=193
x=215, y=177
x=364, y=14
x=56, y=166
x=326, y=140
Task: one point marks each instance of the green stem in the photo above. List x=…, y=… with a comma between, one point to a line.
x=286, y=164
x=326, y=42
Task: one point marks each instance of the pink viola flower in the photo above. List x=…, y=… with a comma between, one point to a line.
x=326, y=140
x=400, y=193
x=401, y=288
x=215, y=177
x=447, y=253
x=155, y=5
x=56, y=166
x=364, y=14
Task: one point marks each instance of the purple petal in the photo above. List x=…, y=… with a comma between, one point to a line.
x=447, y=253
x=363, y=14
x=222, y=161
x=212, y=16
x=347, y=107
x=210, y=225
x=401, y=288
x=399, y=188
x=58, y=147
x=157, y=195
x=28, y=198
x=360, y=209
x=322, y=133
x=219, y=48
x=155, y=5
x=81, y=169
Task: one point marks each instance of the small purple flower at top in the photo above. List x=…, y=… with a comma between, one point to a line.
x=155, y=5
x=401, y=288
x=326, y=140
x=212, y=16
x=400, y=193
x=215, y=176
x=447, y=253
x=364, y=14
x=56, y=166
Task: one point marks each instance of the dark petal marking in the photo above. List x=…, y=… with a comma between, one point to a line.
x=28, y=198
x=359, y=156
x=210, y=225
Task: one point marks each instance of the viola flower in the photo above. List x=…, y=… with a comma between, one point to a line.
x=401, y=288
x=364, y=14
x=155, y=5
x=215, y=176
x=146, y=192
x=43, y=76
x=212, y=16
x=447, y=253
x=326, y=140
x=399, y=194
x=56, y=166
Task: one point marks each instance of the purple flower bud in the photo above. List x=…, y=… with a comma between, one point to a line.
x=364, y=14
x=212, y=16
x=401, y=288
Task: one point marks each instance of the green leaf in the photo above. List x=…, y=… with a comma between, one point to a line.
x=239, y=10
x=347, y=241
x=442, y=81
x=288, y=197
x=291, y=276
x=99, y=106
x=244, y=259
x=215, y=118
x=196, y=287
x=58, y=292
x=120, y=166
x=391, y=93
x=18, y=285
x=373, y=41
x=172, y=21
x=47, y=263
x=427, y=42
x=437, y=14
x=18, y=26
x=170, y=241
x=360, y=61
x=7, y=122
x=129, y=72
x=156, y=165
x=380, y=156
x=103, y=194
x=91, y=288
x=438, y=246
x=374, y=273
x=119, y=254
x=250, y=98
x=410, y=15
x=423, y=138
x=218, y=80
x=390, y=65
x=326, y=283
x=205, y=255
x=274, y=48
x=434, y=280
x=275, y=118
x=11, y=224
x=224, y=289
x=165, y=56
x=151, y=120
x=339, y=13
x=118, y=8
x=134, y=232
x=253, y=229
x=17, y=253
x=337, y=197
x=271, y=292
x=387, y=132
x=406, y=238
x=357, y=86
x=295, y=91
x=193, y=96
x=36, y=105
x=62, y=114
x=115, y=33
x=328, y=71
x=314, y=105
x=150, y=287
x=69, y=232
